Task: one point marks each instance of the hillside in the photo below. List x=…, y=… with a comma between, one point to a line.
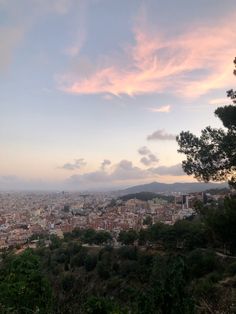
x=157, y=187
x=175, y=269
x=146, y=196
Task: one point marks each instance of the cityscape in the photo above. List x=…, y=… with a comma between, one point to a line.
x=24, y=214
x=117, y=157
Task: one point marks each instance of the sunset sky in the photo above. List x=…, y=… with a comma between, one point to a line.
x=94, y=92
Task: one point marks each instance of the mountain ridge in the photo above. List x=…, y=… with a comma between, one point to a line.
x=187, y=187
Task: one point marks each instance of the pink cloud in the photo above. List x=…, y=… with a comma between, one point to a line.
x=220, y=101
x=164, y=109
x=190, y=64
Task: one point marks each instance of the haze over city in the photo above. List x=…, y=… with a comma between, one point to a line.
x=94, y=92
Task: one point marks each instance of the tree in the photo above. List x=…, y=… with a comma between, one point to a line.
x=222, y=221
x=167, y=292
x=212, y=156
x=101, y=305
x=90, y=262
x=147, y=221
x=23, y=287
x=128, y=237
x=102, y=237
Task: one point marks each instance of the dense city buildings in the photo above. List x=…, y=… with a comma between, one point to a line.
x=24, y=214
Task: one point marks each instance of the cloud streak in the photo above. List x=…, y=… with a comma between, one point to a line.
x=161, y=135
x=77, y=164
x=175, y=170
x=9, y=38
x=122, y=173
x=163, y=109
x=220, y=101
x=189, y=64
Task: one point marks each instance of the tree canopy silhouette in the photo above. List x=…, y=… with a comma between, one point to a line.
x=212, y=155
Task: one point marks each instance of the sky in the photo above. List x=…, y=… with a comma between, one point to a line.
x=94, y=92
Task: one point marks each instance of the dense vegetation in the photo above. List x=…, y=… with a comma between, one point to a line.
x=146, y=196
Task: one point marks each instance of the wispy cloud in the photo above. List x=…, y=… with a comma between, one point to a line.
x=9, y=38
x=11, y=183
x=220, y=101
x=164, y=109
x=123, y=172
x=161, y=135
x=80, y=29
x=175, y=170
x=18, y=23
x=189, y=64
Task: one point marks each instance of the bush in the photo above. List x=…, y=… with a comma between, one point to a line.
x=102, y=270
x=128, y=237
x=128, y=252
x=231, y=269
x=67, y=282
x=23, y=288
x=90, y=262
x=79, y=259
x=99, y=305
x=202, y=262
x=128, y=267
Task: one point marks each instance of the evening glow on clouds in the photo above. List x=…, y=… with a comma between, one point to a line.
x=94, y=92
x=156, y=64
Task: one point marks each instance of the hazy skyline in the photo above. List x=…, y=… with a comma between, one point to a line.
x=93, y=92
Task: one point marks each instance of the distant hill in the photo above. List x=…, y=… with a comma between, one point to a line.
x=146, y=196
x=157, y=187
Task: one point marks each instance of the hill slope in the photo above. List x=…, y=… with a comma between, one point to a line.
x=157, y=187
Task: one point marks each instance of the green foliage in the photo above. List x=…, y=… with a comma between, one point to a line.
x=152, y=278
x=90, y=262
x=89, y=236
x=231, y=269
x=129, y=267
x=102, y=237
x=202, y=262
x=23, y=288
x=128, y=237
x=147, y=221
x=212, y=156
x=222, y=221
x=190, y=234
x=206, y=157
x=167, y=292
x=103, y=270
x=99, y=305
x=78, y=259
x=73, y=248
x=67, y=282
x=128, y=252
x=55, y=242
x=146, y=196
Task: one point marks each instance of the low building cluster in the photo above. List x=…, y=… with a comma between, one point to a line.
x=23, y=215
